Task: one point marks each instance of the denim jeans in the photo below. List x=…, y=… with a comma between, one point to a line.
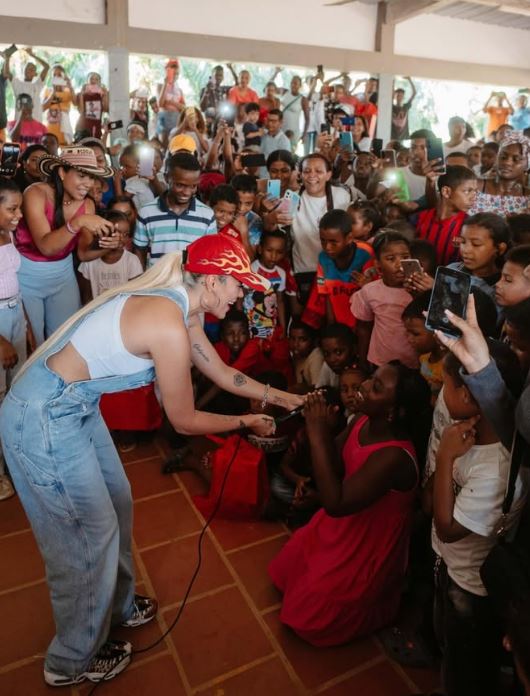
x=13, y=329
x=77, y=497
x=50, y=293
x=469, y=638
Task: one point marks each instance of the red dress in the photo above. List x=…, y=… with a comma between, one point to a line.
x=341, y=577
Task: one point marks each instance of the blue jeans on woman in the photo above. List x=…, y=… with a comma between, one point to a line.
x=50, y=293
x=76, y=495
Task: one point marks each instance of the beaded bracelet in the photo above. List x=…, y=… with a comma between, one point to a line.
x=70, y=229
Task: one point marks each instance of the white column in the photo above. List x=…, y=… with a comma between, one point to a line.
x=119, y=84
x=384, y=106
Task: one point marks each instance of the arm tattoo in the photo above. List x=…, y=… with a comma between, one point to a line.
x=279, y=401
x=239, y=379
x=198, y=349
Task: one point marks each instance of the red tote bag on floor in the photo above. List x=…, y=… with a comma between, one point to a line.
x=247, y=487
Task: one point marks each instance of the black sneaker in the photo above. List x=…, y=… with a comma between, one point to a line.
x=144, y=610
x=111, y=659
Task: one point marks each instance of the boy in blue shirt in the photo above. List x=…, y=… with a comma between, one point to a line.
x=341, y=263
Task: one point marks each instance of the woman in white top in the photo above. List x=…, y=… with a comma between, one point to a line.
x=317, y=197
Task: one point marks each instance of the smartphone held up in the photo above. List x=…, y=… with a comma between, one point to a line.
x=451, y=291
x=9, y=159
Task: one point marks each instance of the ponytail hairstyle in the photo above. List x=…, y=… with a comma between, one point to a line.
x=165, y=274
x=57, y=185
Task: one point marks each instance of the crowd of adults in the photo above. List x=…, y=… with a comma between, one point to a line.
x=431, y=417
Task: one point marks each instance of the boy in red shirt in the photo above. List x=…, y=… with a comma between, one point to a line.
x=440, y=225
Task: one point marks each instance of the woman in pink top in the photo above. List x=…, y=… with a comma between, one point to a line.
x=58, y=217
x=342, y=574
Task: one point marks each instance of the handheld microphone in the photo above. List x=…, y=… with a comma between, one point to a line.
x=288, y=416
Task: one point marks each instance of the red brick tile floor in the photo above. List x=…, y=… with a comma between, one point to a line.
x=229, y=641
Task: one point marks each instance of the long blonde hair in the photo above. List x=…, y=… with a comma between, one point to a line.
x=166, y=273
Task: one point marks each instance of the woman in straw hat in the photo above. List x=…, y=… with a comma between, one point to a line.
x=58, y=217
x=62, y=459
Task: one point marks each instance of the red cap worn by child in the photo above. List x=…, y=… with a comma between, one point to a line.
x=219, y=254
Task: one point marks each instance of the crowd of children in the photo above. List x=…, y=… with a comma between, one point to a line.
x=350, y=246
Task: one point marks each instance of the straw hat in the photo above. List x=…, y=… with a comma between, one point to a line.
x=81, y=158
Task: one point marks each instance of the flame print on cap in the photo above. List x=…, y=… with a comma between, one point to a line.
x=227, y=259
x=234, y=264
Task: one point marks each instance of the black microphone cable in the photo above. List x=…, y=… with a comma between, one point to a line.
x=191, y=582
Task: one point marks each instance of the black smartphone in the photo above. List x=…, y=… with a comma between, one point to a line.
x=320, y=69
x=9, y=159
x=257, y=160
x=114, y=125
x=451, y=291
x=435, y=150
x=12, y=49
x=325, y=128
x=377, y=147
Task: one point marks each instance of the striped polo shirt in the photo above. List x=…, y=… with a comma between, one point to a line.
x=163, y=231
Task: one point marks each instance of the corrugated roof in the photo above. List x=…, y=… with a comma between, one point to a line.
x=488, y=15
x=476, y=12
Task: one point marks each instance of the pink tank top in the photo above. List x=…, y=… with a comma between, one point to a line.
x=26, y=246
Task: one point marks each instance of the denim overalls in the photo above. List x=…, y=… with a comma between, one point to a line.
x=74, y=490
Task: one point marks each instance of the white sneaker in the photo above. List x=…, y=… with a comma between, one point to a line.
x=6, y=488
x=111, y=659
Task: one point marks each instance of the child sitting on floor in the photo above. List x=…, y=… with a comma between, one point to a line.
x=306, y=356
x=340, y=263
x=237, y=349
x=350, y=380
x=337, y=342
x=292, y=487
x=377, y=307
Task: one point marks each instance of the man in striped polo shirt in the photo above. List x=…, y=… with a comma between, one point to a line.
x=176, y=218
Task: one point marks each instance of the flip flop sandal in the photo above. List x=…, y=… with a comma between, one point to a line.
x=405, y=647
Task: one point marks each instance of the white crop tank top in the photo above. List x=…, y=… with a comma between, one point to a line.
x=98, y=341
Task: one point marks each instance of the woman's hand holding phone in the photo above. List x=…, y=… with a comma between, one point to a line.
x=471, y=347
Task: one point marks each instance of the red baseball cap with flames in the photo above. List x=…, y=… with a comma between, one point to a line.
x=219, y=254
